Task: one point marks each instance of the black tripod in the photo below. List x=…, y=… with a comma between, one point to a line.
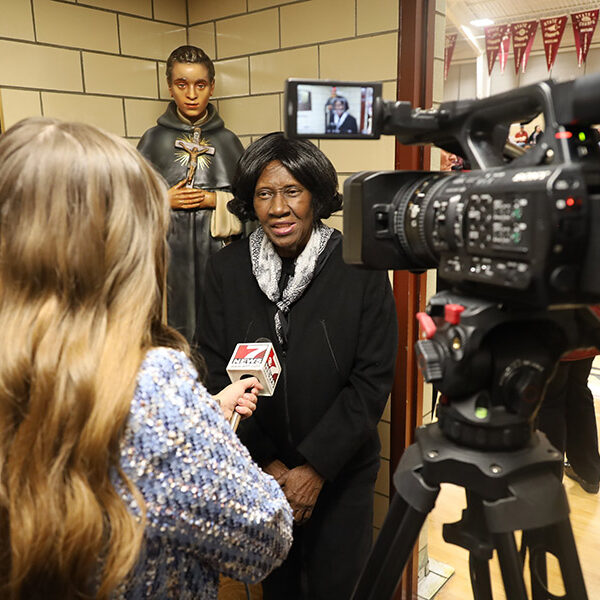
x=507, y=491
x=492, y=368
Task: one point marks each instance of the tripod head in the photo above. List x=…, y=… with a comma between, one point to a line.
x=491, y=364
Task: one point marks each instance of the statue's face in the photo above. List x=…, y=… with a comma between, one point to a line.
x=191, y=89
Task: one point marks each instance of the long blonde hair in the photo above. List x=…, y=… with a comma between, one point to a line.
x=83, y=220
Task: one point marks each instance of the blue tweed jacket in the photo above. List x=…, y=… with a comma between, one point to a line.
x=210, y=509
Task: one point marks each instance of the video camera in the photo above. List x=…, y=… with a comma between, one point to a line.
x=526, y=230
x=516, y=242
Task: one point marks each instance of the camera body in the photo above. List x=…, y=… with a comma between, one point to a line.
x=521, y=235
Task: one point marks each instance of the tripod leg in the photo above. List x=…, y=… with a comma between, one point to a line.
x=511, y=566
x=472, y=534
x=479, y=571
x=386, y=536
x=538, y=571
x=557, y=539
x=566, y=552
x=394, y=544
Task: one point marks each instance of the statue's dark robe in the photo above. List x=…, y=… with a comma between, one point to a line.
x=190, y=240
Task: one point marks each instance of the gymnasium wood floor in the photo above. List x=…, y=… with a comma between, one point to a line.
x=585, y=520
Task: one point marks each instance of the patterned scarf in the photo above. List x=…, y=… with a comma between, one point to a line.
x=266, y=267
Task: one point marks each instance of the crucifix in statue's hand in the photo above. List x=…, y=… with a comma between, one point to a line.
x=194, y=149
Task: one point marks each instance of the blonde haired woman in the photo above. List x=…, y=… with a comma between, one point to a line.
x=119, y=475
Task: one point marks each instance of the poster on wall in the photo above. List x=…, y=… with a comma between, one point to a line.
x=552, y=33
x=523, y=35
x=584, y=25
x=448, y=52
x=494, y=34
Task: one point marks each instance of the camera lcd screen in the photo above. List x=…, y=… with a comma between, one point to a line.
x=331, y=109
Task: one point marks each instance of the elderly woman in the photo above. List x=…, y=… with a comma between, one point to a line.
x=334, y=329
x=120, y=476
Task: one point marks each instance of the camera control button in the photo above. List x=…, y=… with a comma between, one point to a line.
x=427, y=323
x=564, y=278
x=452, y=313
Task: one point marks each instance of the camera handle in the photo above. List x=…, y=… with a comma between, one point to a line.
x=506, y=491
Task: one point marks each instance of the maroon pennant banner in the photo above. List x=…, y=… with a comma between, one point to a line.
x=523, y=35
x=584, y=25
x=493, y=40
x=448, y=52
x=552, y=32
x=504, y=48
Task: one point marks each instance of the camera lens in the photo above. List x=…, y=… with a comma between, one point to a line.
x=420, y=219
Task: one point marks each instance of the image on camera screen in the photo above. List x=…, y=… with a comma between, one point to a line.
x=334, y=110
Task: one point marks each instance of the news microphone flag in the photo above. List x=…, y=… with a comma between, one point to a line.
x=257, y=359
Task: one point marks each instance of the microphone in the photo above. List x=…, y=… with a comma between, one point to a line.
x=256, y=359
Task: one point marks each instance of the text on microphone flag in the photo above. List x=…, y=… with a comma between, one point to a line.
x=253, y=351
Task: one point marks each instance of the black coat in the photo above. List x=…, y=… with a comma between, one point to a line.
x=348, y=126
x=189, y=237
x=338, y=366
x=337, y=374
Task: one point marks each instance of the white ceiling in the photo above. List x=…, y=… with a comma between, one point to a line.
x=461, y=12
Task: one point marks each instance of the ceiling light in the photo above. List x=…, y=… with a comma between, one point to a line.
x=481, y=22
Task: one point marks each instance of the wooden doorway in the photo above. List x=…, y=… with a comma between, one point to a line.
x=414, y=84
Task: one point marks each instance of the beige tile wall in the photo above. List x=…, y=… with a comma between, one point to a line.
x=174, y=11
x=270, y=70
x=251, y=115
x=163, y=88
x=360, y=62
x=207, y=10
x=95, y=30
x=248, y=34
x=203, y=36
x=101, y=111
x=258, y=4
x=107, y=67
x=234, y=77
x=140, y=37
x=97, y=61
x=16, y=21
x=139, y=113
x=142, y=8
x=19, y=104
x=39, y=67
x=116, y=75
x=317, y=21
x=374, y=16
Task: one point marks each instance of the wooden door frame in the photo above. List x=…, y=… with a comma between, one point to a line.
x=416, y=40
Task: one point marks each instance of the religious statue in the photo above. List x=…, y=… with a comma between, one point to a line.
x=191, y=148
